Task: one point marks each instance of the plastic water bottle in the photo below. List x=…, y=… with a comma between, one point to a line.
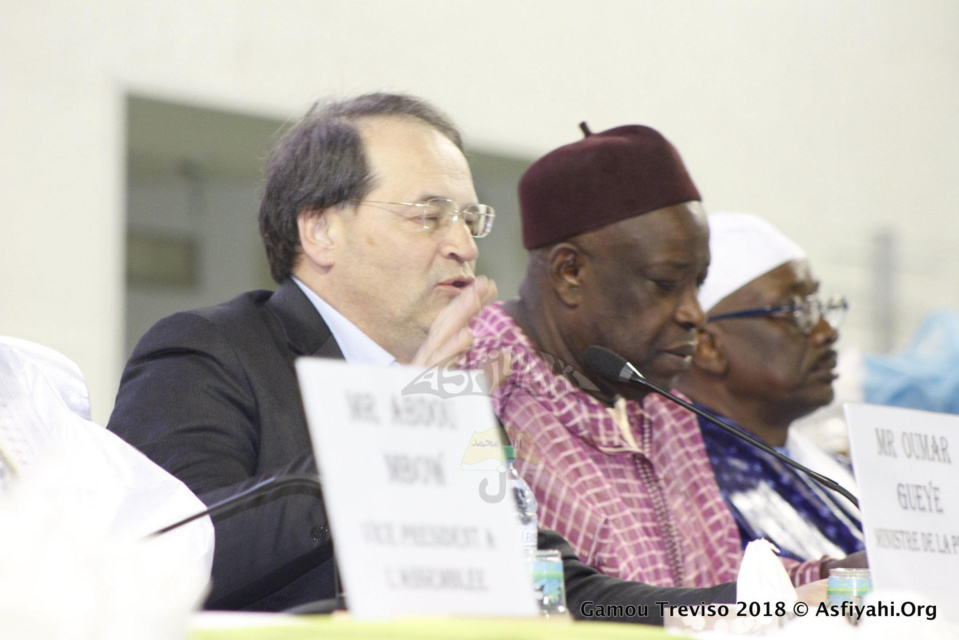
x=525, y=501
x=545, y=567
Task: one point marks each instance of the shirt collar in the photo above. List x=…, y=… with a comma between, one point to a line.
x=622, y=427
x=357, y=347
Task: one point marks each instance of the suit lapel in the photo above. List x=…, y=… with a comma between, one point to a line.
x=306, y=333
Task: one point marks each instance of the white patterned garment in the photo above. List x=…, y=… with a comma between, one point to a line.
x=45, y=412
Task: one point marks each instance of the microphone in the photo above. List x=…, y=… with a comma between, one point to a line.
x=615, y=367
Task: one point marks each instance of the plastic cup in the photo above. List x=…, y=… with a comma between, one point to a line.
x=549, y=589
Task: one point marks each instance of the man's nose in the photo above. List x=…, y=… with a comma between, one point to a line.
x=824, y=333
x=458, y=243
x=689, y=312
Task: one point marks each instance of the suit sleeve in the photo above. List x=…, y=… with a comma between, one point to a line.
x=591, y=595
x=185, y=400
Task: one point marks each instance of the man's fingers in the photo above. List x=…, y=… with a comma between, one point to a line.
x=449, y=334
x=485, y=290
x=497, y=369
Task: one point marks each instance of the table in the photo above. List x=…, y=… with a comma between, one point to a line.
x=238, y=626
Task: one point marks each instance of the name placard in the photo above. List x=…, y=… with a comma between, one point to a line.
x=412, y=530
x=907, y=467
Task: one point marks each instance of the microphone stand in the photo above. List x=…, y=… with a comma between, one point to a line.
x=270, y=484
x=615, y=367
x=276, y=482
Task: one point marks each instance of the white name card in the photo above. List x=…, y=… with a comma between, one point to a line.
x=412, y=533
x=907, y=467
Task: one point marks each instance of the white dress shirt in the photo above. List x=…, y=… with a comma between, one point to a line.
x=357, y=347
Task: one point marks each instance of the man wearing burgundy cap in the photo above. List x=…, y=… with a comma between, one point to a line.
x=619, y=246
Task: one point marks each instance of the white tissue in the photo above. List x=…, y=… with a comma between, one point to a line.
x=762, y=577
x=762, y=584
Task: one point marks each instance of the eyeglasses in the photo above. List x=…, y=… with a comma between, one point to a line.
x=437, y=213
x=806, y=312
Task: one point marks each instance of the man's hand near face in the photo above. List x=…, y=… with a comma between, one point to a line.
x=449, y=334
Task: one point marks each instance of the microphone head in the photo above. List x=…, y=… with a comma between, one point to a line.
x=608, y=363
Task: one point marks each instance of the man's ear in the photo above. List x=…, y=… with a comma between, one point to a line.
x=317, y=236
x=565, y=262
x=709, y=355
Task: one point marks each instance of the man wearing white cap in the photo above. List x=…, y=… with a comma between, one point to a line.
x=765, y=358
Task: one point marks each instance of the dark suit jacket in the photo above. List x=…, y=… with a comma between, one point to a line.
x=211, y=396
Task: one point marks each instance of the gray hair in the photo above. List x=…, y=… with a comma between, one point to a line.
x=320, y=163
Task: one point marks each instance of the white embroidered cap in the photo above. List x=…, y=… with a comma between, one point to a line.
x=742, y=247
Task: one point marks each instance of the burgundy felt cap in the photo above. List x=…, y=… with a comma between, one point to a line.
x=603, y=178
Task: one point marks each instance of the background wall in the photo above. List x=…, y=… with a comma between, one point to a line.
x=833, y=118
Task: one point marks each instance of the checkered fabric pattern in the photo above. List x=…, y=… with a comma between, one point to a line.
x=630, y=486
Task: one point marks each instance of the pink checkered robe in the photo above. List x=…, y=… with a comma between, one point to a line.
x=630, y=486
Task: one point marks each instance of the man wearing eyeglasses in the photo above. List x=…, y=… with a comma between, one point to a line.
x=368, y=216
x=619, y=244
x=765, y=358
